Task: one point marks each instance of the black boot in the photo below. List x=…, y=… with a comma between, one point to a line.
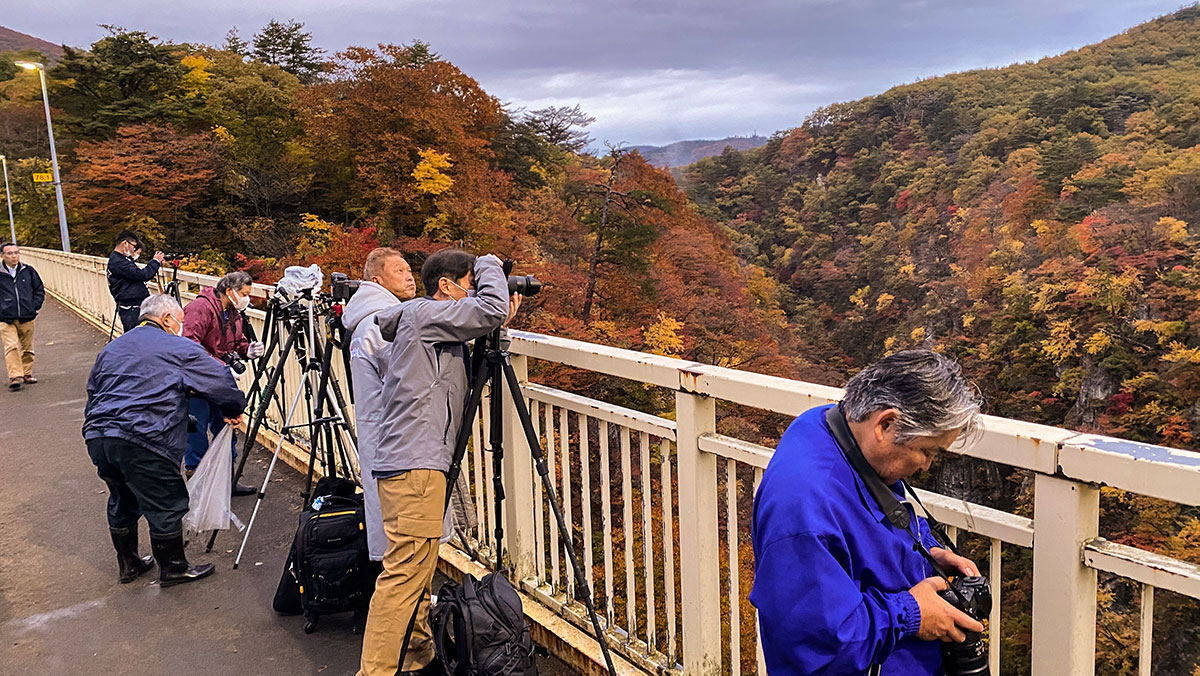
x=130, y=565
x=243, y=489
x=173, y=566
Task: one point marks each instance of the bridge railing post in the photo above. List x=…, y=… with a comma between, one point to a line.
x=518, y=484
x=699, y=553
x=1065, y=515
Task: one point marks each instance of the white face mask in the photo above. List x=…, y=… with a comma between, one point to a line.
x=134, y=255
x=240, y=302
x=180, y=331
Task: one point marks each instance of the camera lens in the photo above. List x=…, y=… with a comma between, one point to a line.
x=526, y=285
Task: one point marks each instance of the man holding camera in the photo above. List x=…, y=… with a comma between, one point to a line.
x=134, y=425
x=424, y=392
x=126, y=281
x=841, y=585
x=214, y=320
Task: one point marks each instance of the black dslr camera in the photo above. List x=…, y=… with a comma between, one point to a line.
x=343, y=287
x=526, y=285
x=973, y=596
x=234, y=361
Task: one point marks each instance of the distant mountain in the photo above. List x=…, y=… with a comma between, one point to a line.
x=15, y=41
x=683, y=153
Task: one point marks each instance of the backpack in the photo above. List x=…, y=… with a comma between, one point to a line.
x=328, y=568
x=479, y=629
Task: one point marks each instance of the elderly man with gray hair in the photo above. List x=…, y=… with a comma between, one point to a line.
x=135, y=424
x=839, y=586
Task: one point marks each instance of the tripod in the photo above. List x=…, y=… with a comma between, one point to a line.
x=172, y=287
x=331, y=439
x=492, y=366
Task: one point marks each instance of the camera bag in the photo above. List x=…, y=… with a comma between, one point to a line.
x=328, y=568
x=479, y=629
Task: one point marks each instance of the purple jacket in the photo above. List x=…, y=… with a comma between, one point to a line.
x=218, y=330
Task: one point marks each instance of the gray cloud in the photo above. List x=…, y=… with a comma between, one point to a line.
x=652, y=71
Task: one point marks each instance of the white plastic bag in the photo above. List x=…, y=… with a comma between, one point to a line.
x=210, y=485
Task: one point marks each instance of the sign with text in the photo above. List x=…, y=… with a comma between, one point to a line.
x=43, y=178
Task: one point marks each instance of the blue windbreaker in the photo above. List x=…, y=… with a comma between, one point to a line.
x=831, y=574
x=139, y=386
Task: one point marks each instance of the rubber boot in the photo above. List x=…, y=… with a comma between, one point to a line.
x=173, y=566
x=129, y=564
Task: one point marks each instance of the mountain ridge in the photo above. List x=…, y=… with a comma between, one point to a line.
x=683, y=153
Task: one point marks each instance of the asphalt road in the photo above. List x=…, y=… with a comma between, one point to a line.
x=61, y=608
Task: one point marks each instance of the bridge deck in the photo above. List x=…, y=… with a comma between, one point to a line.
x=61, y=608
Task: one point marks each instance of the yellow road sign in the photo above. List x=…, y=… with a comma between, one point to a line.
x=43, y=178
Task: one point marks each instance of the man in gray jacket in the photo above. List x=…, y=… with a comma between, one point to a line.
x=424, y=392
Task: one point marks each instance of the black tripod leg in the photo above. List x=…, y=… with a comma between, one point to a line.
x=535, y=448
x=497, y=442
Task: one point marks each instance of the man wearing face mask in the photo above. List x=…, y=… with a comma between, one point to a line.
x=126, y=281
x=134, y=424
x=215, y=321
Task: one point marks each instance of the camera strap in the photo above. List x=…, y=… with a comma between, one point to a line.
x=895, y=511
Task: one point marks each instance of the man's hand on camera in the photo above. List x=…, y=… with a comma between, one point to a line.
x=235, y=421
x=514, y=302
x=940, y=620
x=256, y=350
x=160, y=256
x=949, y=560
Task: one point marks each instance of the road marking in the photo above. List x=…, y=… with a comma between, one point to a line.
x=41, y=620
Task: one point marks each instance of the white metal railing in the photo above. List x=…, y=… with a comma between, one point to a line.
x=659, y=508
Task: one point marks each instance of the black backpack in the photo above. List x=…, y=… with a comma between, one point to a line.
x=328, y=569
x=479, y=629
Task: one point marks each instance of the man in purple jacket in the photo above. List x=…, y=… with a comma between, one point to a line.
x=214, y=320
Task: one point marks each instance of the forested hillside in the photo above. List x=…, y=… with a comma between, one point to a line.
x=1039, y=222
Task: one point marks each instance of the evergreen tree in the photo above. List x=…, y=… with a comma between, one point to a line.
x=234, y=43
x=288, y=46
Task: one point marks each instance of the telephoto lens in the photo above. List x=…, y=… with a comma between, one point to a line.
x=526, y=285
x=974, y=598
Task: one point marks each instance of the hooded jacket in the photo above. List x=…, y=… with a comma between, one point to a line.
x=21, y=297
x=138, y=389
x=366, y=348
x=424, y=371
x=218, y=330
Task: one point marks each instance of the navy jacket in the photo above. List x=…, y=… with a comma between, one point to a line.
x=126, y=281
x=831, y=573
x=20, y=297
x=139, y=386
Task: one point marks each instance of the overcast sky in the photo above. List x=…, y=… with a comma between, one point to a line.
x=650, y=71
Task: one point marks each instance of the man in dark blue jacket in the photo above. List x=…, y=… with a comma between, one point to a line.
x=126, y=281
x=21, y=296
x=135, y=425
x=839, y=589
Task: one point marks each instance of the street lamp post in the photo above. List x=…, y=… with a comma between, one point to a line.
x=62, y=211
x=8, y=198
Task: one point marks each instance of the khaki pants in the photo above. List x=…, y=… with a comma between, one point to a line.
x=412, y=505
x=17, y=338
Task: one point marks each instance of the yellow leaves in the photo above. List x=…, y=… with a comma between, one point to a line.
x=316, y=236
x=1139, y=382
x=662, y=337
x=968, y=320
x=1164, y=330
x=437, y=227
x=908, y=269
x=1180, y=353
x=1172, y=229
x=1111, y=292
x=195, y=81
x=1062, y=343
x=223, y=134
x=889, y=344
x=918, y=335
x=884, y=301
x=859, y=297
x=428, y=172
x=1097, y=342
x=1152, y=185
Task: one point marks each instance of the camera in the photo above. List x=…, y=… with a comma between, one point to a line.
x=973, y=596
x=234, y=361
x=343, y=287
x=526, y=285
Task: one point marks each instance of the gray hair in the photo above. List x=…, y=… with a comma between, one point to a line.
x=159, y=305
x=928, y=390
x=234, y=280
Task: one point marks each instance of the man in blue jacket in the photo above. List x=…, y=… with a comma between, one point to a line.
x=839, y=589
x=135, y=426
x=126, y=281
x=21, y=296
